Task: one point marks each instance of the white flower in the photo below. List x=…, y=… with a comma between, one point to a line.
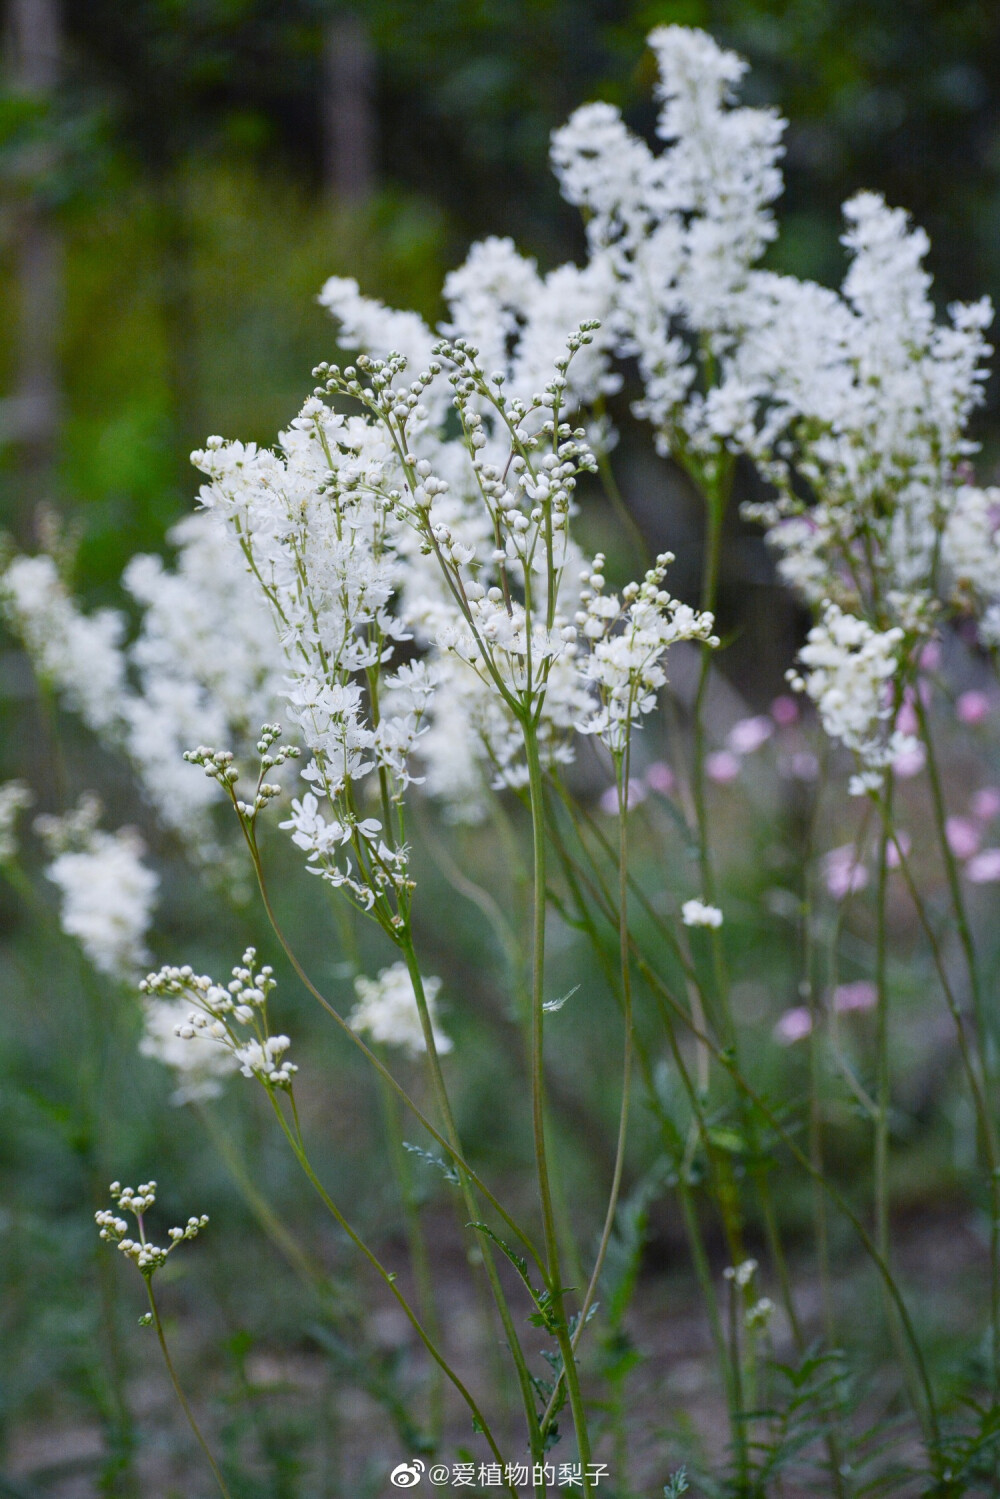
x=205, y=1032
x=106, y=891
x=628, y=639
x=848, y=667
x=78, y=654
x=387, y=1010
x=697, y=913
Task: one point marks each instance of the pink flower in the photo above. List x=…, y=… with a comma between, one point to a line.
x=749, y=734
x=972, y=707
x=906, y=719
x=985, y=804
x=930, y=656
x=844, y=872
x=984, y=869
x=659, y=777
x=897, y=850
x=635, y=794
x=963, y=837
x=722, y=767
x=861, y=995
x=793, y=1025
x=802, y=766
x=785, y=711
x=910, y=761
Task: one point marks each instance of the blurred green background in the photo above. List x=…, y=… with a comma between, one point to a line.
x=177, y=178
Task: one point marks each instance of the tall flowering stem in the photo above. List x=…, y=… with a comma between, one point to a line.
x=554, y=1283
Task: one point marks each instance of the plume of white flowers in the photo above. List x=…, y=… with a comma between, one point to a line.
x=848, y=666
x=628, y=638
x=869, y=398
x=77, y=654
x=970, y=554
x=204, y=663
x=680, y=230
x=386, y=1010
x=106, y=892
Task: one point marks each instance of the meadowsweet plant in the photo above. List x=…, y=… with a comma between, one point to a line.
x=389, y=619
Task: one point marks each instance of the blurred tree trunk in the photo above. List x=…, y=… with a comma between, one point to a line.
x=348, y=109
x=35, y=47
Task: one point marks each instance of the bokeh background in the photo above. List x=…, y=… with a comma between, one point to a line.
x=177, y=178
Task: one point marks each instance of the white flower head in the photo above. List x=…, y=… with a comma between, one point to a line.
x=387, y=1010
x=106, y=892
x=697, y=913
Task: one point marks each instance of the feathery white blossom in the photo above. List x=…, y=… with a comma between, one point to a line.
x=387, y=1010
x=78, y=654
x=848, y=665
x=106, y=892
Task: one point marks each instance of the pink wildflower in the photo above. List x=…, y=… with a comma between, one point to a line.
x=794, y=1025
x=722, y=767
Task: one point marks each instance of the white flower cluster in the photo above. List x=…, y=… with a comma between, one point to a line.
x=145, y=1255
x=680, y=230
x=628, y=638
x=387, y=1010
x=970, y=553
x=697, y=913
x=404, y=576
x=15, y=796
x=869, y=400
x=78, y=654
x=204, y=662
x=106, y=892
x=848, y=668
x=205, y=1032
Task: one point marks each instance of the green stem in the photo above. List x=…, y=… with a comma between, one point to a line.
x=884, y=1076
x=554, y=1274
x=294, y=1139
x=417, y=1242
x=179, y=1392
x=376, y=1062
x=725, y=1060
x=471, y=1207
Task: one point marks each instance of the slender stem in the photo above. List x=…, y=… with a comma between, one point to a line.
x=575, y=880
x=471, y=1207
x=554, y=1275
x=294, y=1138
x=417, y=1242
x=977, y=1087
x=725, y=1060
x=955, y=888
x=376, y=1062
x=883, y=1070
x=178, y=1391
x=628, y=1050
